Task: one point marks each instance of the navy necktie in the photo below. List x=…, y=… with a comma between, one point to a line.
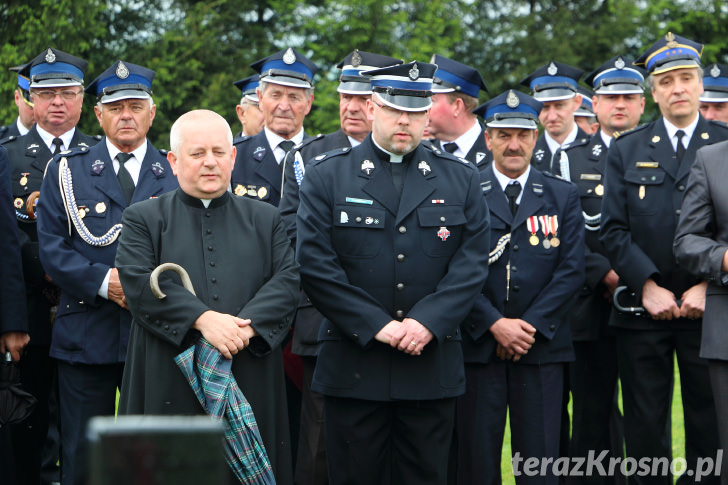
x=58, y=143
x=450, y=147
x=680, y=148
x=512, y=192
x=125, y=180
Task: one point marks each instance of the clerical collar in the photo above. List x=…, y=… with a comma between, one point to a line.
x=187, y=199
x=390, y=157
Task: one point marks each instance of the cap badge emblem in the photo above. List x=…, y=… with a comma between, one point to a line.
x=619, y=63
x=414, y=73
x=670, y=38
x=512, y=100
x=289, y=57
x=50, y=57
x=122, y=72
x=552, y=69
x=715, y=71
x=356, y=58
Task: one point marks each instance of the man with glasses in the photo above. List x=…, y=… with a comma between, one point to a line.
x=56, y=91
x=393, y=247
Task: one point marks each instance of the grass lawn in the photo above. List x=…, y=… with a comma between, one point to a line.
x=678, y=434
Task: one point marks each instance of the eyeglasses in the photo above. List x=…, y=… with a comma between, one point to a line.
x=66, y=95
x=415, y=115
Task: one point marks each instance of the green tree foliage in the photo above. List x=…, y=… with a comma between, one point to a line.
x=198, y=48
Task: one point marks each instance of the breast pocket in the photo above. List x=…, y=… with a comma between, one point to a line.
x=357, y=230
x=94, y=214
x=643, y=191
x=441, y=229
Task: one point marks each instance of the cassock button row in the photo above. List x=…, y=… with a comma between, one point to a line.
x=402, y=229
x=400, y=257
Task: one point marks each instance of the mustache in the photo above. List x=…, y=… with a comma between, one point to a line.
x=514, y=153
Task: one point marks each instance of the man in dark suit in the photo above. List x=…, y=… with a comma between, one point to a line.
x=455, y=90
x=77, y=232
x=244, y=276
x=285, y=96
x=56, y=81
x=597, y=423
x=26, y=117
x=393, y=247
x=516, y=340
x=13, y=318
x=646, y=174
x=556, y=86
x=701, y=243
x=354, y=91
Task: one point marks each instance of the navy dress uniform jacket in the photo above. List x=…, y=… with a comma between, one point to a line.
x=29, y=156
x=479, y=154
x=308, y=319
x=586, y=161
x=13, y=315
x=643, y=193
x=543, y=281
x=369, y=256
x=90, y=329
x=257, y=174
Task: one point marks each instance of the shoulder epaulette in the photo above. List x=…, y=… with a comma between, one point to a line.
x=163, y=152
x=240, y=139
x=97, y=137
x=719, y=124
x=8, y=139
x=75, y=151
x=308, y=141
x=579, y=142
x=331, y=154
x=443, y=154
x=620, y=134
x=556, y=177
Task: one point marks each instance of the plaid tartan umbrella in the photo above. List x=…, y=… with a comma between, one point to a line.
x=210, y=376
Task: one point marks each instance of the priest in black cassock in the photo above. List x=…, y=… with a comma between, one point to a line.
x=243, y=271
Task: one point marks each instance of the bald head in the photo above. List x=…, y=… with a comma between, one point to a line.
x=196, y=118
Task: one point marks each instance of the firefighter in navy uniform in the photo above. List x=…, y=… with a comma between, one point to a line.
x=517, y=341
x=555, y=85
x=25, y=119
x=354, y=91
x=285, y=96
x=56, y=91
x=83, y=195
x=393, y=247
x=646, y=174
x=597, y=423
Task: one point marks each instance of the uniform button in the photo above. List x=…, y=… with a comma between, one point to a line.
x=209, y=231
x=400, y=257
x=516, y=288
x=207, y=214
x=399, y=313
x=514, y=269
x=68, y=306
x=329, y=332
x=472, y=326
x=146, y=315
x=355, y=336
x=212, y=263
x=174, y=332
x=681, y=188
x=157, y=322
x=358, y=219
x=677, y=211
x=442, y=219
x=515, y=247
x=402, y=229
x=215, y=297
x=214, y=280
x=400, y=286
x=552, y=327
x=209, y=248
x=643, y=178
x=448, y=337
x=166, y=327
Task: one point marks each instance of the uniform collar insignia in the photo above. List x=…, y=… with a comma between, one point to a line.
x=157, y=169
x=479, y=157
x=367, y=167
x=537, y=188
x=486, y=186
x=259, y=153
x=539, y=154
x=424, y=167
x=97, y=167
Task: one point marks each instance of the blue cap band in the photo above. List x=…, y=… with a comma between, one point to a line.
x=552, y=79
x=503, y=108
x=56, y=68
x=715, y=81
x=465, y=87
x=115, y=81
x=23, y=83
x=278, y=64
x=412, y=86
